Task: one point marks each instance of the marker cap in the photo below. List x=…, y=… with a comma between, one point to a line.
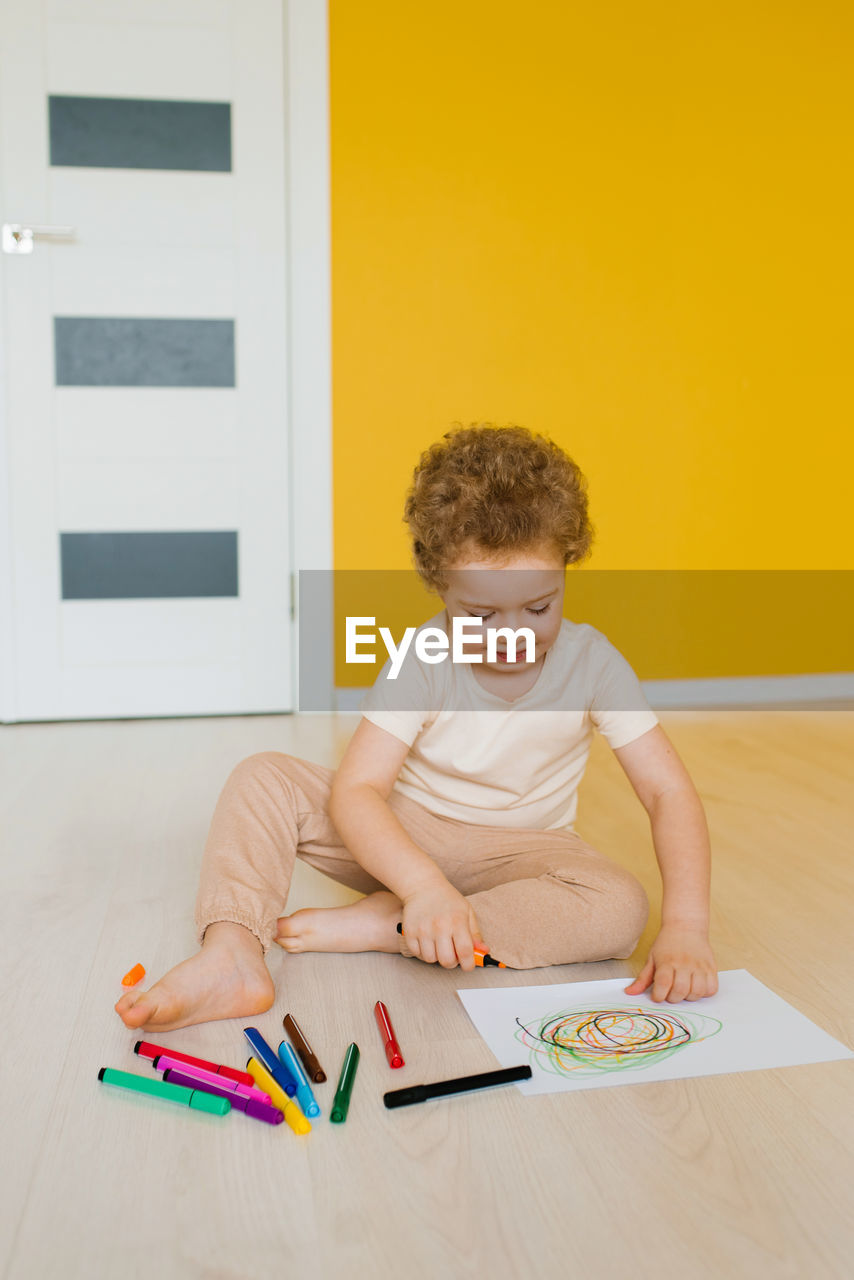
x=263, y=1111
x=133, y=976
x=209, y=1102
x=308, y=1102
x=295, y=1118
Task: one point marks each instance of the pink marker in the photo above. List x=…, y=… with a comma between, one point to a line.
x=164, y=1063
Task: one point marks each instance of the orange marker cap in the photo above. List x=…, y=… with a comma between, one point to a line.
x=482, y=958
x=133, y=976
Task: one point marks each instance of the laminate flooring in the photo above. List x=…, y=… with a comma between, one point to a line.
x=744, y=1175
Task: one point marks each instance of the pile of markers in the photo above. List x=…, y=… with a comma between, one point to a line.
x=276, y=1085
x=274, y=1088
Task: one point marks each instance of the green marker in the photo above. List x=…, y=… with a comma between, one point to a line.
x=195, y=1098
x=341, y=1105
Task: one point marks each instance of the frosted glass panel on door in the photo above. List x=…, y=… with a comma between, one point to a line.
x=158, y=565
x=139, y=133
x=105, y=351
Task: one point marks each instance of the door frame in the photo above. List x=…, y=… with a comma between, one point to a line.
x=310, y=309
x=309, y=358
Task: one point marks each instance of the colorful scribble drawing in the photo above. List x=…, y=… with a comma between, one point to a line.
x=586, y=1042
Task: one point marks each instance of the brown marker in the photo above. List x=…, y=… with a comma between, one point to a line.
x=313, y=1068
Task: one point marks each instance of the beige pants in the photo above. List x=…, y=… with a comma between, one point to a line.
x=540, y=897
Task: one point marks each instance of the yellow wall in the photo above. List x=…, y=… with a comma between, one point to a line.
x=627, y=226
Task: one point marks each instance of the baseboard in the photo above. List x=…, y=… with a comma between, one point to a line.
x=825, y=690
x=753, y=691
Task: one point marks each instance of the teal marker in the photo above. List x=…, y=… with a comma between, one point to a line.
x=195, y=1098
x=305, y=1097
x=341, y=1105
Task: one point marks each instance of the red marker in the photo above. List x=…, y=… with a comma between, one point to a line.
x=145, y=1049
x=392, y=1048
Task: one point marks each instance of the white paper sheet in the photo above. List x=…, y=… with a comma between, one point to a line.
x=590, y=1035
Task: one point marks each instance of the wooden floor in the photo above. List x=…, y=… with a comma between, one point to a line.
x=746, y=1175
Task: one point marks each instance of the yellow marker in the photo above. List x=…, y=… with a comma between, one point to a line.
x=290, y=1110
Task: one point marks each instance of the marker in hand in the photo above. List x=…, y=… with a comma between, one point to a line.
x=482, y=958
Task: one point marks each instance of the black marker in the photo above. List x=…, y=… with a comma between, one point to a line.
x=462, y=1084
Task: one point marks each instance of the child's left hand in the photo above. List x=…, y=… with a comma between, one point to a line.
x=680, y=966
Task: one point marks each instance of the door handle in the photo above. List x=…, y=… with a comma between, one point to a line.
x=19, y=238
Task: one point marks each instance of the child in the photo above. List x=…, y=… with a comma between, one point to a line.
x=458, y=826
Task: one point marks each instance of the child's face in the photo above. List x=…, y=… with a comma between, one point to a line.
x=524, y=590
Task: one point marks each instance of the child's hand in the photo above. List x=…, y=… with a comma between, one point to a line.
x=439, y=925
x=680, y=966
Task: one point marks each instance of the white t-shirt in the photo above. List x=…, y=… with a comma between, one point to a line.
x=479, y=758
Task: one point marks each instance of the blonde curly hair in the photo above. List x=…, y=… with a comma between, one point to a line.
x=498, y=489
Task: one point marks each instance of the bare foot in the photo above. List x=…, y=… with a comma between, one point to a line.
x=367, y=925
x=228, y=978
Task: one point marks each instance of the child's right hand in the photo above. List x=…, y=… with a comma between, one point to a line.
x=440, y=926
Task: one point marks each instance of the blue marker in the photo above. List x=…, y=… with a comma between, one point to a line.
x=265, y=1055
x=305, y=1097
x=287, y=1071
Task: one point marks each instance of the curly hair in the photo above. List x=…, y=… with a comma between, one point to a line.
x=499, y=489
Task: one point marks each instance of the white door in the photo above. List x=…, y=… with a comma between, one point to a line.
x=145, y=359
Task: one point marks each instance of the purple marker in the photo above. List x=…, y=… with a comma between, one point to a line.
x=164, y=1063
x=257, y=1110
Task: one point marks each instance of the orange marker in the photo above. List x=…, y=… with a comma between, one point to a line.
x=133, y=976
x=481, y=957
